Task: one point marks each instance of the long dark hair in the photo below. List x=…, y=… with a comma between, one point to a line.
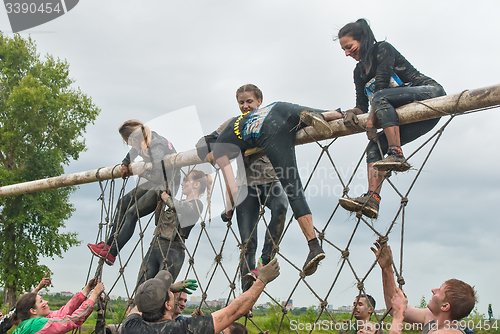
x=23, y=307
x=361, y=32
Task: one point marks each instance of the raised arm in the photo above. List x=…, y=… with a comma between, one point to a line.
x=231, y=187
x=46, y=281
x=384, y=257
x=244, y=302
x=399, y=305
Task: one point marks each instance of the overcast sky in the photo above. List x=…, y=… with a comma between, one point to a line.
x=146, y=59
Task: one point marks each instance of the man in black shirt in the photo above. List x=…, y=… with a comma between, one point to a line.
x=156, y=305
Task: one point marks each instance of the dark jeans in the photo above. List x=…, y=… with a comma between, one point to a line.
x=153, y=261
x=137, y=203
x=247, y=214
x=384, y=104
x=278, y=142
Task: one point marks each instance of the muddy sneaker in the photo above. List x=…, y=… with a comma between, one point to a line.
x=313, y=259
x=394, y=161
x=252, y=275
x=367, y=204
x=101, y=250
x=317, y=121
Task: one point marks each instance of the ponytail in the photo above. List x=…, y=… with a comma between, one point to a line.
x=206, y=183
x=23, y=307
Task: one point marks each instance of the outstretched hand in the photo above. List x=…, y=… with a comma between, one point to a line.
x=184, y=286
x=382, y=252
x=91, y=284
x=197, y=312
x=46, y=281
x=267, y=273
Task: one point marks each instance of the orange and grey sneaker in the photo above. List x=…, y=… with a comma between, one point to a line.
x=368, y=204
x=395, y=161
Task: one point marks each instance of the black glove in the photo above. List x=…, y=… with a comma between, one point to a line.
x=224, y=216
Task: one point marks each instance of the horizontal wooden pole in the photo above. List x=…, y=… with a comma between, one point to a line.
x=410, y=113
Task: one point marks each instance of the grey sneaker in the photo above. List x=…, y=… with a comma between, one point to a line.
x=392, y=162
x=367, y=204
x=317, y=121
x=313, y=260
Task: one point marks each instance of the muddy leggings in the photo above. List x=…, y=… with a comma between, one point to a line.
x=247, y=215
x=137, y=203
x=384, y=104
x=277, y=139
x=154, y=260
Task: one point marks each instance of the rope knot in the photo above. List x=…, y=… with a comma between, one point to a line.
x=203, y=296
x=218, y=258
x=404, y=201
x=345, y=254
x=261, y=212
x=324, y=304
x=384, y=239
x=321, y=235
x=345, y=191
x=401, y=280
x=191, y=260
x=284, y=310
x=229, y=223
x=203, y=224
x=360, y=286
x=232, y=286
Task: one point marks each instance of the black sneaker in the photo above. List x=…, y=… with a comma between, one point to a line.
x=317, y=121
x=367, y=204
x=313, y=259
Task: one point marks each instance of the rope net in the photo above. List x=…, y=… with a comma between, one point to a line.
x=220, y=243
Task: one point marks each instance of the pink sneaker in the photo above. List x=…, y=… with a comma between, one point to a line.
x=101, y=250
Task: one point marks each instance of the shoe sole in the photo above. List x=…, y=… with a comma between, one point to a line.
x=320, y=125
x=101, y=256
x=312, y=266
x=391, y=166
x=251, y=276
x=354, y=206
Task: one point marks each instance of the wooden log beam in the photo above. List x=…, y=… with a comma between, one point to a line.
x=413, y=112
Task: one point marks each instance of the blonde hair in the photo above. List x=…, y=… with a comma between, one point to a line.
x=129, y=127
x=206, y=183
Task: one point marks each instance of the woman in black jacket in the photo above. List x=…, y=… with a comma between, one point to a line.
x=385, y=80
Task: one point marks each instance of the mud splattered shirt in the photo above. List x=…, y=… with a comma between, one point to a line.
x=386, y=61
x=134, y=324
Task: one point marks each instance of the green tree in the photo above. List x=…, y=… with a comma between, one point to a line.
x=42, y=120
x=423, y=303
